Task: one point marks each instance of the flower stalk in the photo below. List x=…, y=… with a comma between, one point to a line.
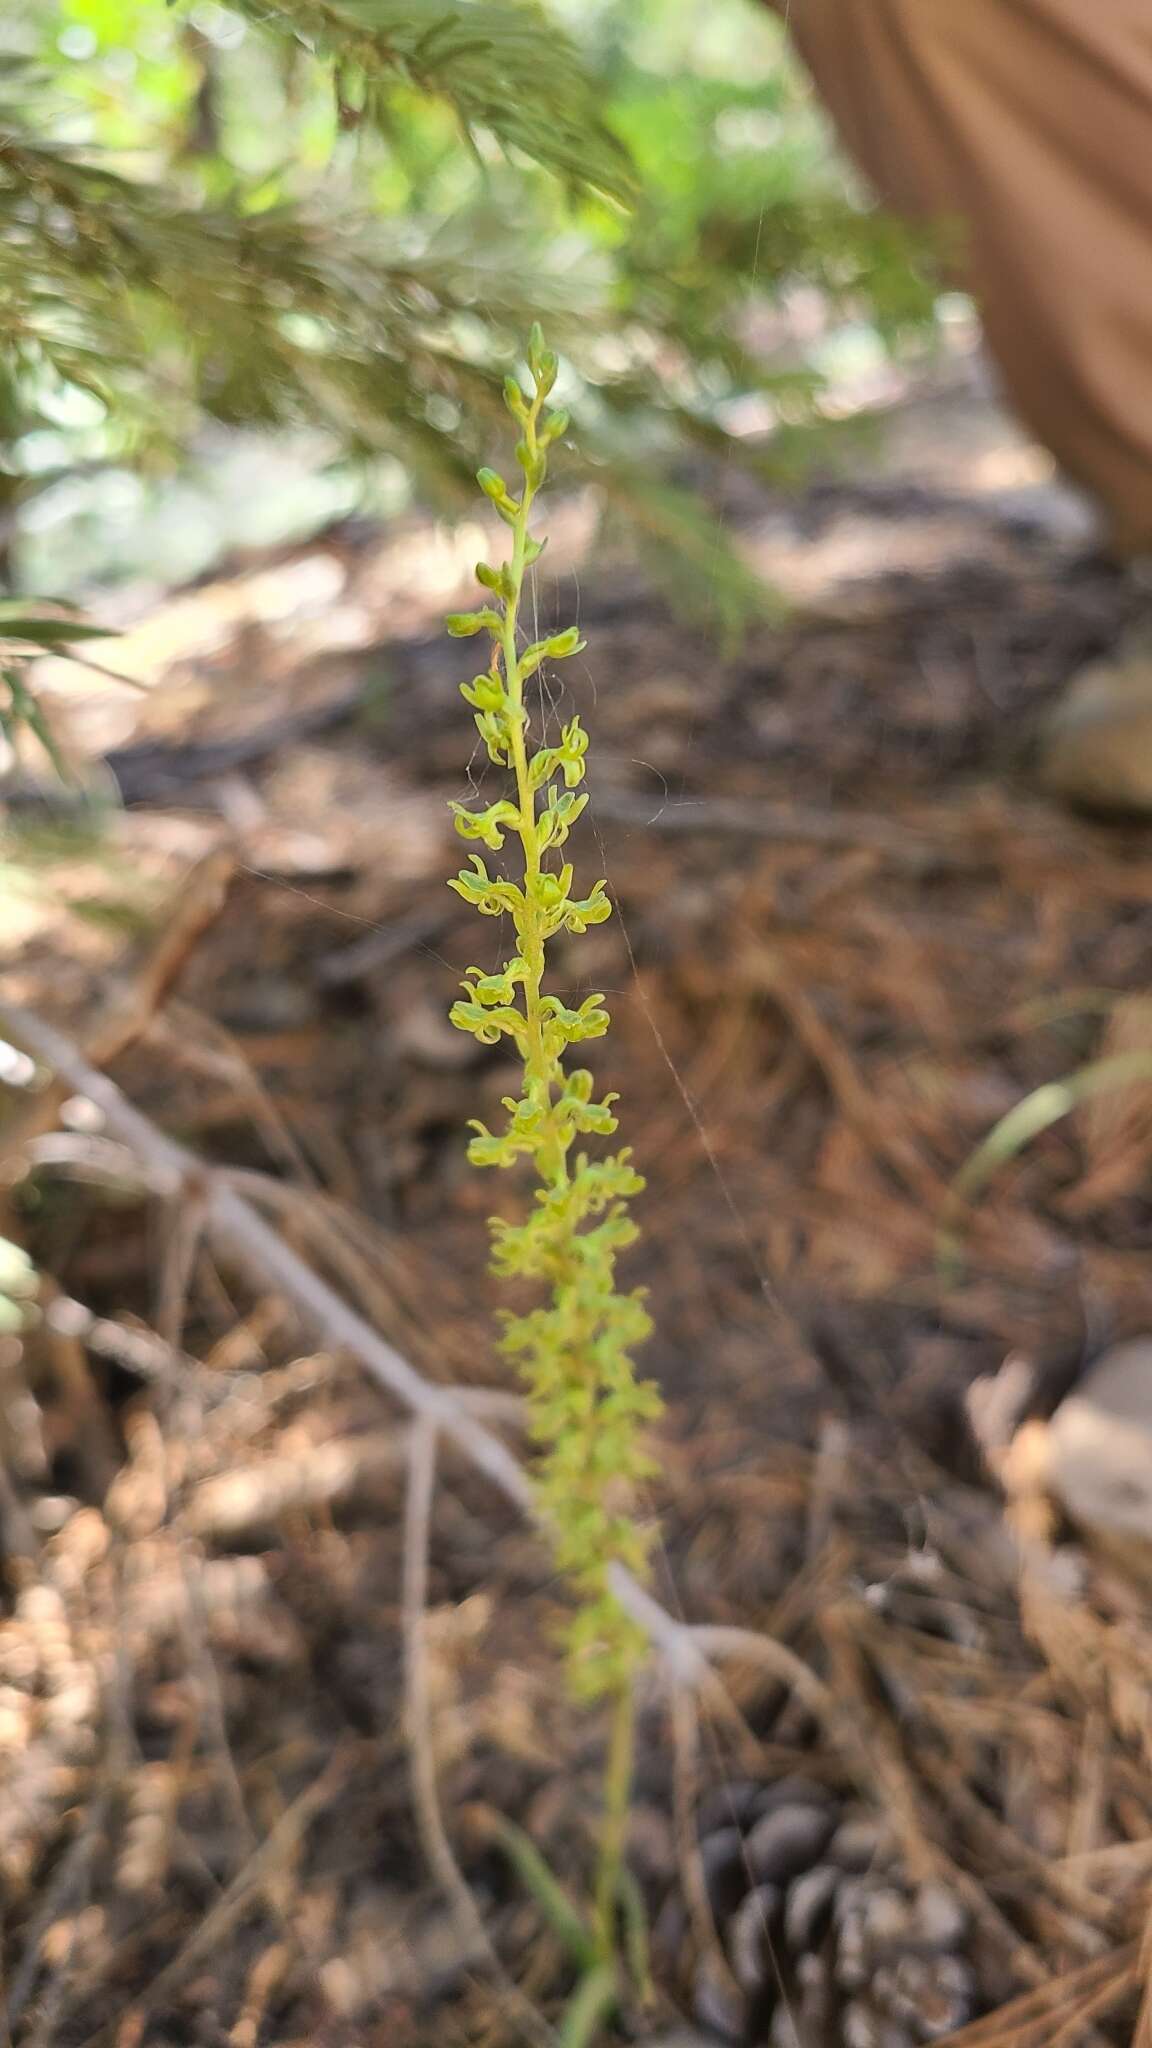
x=588, y=1410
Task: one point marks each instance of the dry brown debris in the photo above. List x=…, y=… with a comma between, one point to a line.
x=205, y=1828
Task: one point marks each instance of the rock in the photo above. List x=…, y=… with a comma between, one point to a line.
x=1096, y=750
x=1100, y=1446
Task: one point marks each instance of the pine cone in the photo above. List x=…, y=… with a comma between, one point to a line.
x=827, y=1943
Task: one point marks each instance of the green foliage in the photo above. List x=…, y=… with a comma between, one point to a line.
x=338, y=215
x=153, y=311
x=133, y=305
x=587, y=1408
x=502, y=66
x=33, y=633
x=24, y=635
x=741, y=198
x=593, y=2003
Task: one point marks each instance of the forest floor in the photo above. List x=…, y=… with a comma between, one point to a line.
x=850, y=938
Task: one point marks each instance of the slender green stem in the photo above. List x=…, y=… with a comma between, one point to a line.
x=593, y=2000
x=635, y=1944
x=617, y=1797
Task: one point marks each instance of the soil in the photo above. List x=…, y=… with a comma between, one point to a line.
x=849, y=939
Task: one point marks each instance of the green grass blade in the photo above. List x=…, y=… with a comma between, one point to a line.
x=562, y=1914
x=1023, y=1123
x=634, y=1915
x=50, y=632
x=592, y=2002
